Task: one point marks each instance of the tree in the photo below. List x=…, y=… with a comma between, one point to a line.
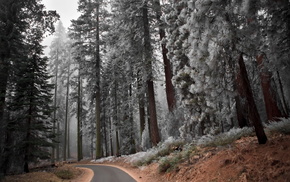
x=58, y=59
x=170, y=92
x=253, y=112
x=23, y=25
x=155, y=138
x=67, y=113
x=33, y=100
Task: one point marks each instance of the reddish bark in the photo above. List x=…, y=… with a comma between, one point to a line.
x=272, y=109
x=170, y=92
x=252, y=109
x=155, y=138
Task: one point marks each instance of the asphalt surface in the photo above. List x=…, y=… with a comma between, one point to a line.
x=108, y=174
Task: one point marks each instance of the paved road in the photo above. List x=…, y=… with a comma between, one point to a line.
x=108, y=174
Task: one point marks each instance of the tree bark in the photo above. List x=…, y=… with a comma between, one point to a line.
x=3, y=124
x=66, y=115
x=141, y=108
x=98, y=93
x=170, y=92
x=79, y=120
x=155, y=138
x=253, y=111
x=55, y=106
x=270, y=99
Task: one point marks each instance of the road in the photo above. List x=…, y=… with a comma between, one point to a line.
x=108, y=174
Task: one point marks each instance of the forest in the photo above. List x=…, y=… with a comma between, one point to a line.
x=129, y=74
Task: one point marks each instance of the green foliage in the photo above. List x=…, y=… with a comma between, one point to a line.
x=64, y=173
x=170, y=162
x=167, y=164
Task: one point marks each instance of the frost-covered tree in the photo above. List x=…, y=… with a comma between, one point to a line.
x=196, y=41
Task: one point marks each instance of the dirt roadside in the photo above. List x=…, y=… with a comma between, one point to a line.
x=243, y=161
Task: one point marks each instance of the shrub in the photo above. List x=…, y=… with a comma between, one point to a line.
x=167, y=164
x=282, y=126
x=163, y=149
x=224, y=138
x=64, y=173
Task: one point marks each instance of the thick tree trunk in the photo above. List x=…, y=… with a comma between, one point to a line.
x=141, y=109
x=131, y=119
x=155, y=138
x=241, y=113
x=272, y=109
x=242, y=103
x=253, y=111
x=285, y=106
x=170, y=92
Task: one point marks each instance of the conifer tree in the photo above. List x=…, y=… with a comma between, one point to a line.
x=24, y=86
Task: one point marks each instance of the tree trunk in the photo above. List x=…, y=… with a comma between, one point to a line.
x=242, y=104
x=55, y=106
x=141, y=108
x=252, y=109
x=170, y=92
x=241, y=110
x=68, y=139
x=117, y=144
x=155, y=138
x=98, y=93
x=105, y=132
x=58, y=141
x=79, y=118
x=272, y=109
x=111, y=138
x=66, y=115
x=285, y=106
x=131, y=118
x=3, y=123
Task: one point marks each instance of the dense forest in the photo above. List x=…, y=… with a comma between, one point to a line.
x=132, y=73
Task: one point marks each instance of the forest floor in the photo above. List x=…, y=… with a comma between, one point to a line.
x=242, y=161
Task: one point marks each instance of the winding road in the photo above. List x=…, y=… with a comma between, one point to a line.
x=108, y=174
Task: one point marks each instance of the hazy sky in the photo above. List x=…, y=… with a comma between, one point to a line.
x=67, y=9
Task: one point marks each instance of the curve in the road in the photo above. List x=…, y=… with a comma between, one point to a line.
x=108, y=174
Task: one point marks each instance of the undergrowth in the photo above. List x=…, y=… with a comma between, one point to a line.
x=282, y=126
x=154, y=154
x=171, y=162
x=64, y=173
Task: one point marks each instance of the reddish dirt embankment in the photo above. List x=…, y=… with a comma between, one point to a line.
x=243, y=161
